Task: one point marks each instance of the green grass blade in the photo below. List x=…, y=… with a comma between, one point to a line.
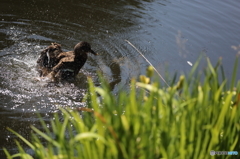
x=7, y=153
x=46, y=137
x=22, y=138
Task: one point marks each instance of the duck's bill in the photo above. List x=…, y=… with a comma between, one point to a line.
x=94, y=53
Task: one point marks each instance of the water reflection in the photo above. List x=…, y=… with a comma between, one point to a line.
x=163, y=30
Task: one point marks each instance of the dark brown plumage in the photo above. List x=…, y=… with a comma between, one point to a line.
x=71, y=62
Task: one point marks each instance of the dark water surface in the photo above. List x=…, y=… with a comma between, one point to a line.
x=169, y=33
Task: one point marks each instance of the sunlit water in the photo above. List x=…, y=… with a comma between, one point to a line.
x=170, y=34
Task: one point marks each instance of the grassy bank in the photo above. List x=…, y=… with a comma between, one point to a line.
x=197, y=114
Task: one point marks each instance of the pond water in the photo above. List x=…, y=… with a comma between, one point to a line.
x=170, y=33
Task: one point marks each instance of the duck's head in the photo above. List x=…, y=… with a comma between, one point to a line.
x=83, y=48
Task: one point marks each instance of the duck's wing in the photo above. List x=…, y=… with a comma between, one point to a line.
x=65, y=62
x=42, y=62
x=48, y=57
x=43, y=58
x=65, y=54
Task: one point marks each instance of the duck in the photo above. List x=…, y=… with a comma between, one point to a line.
x=70, y=63
x=48, y=59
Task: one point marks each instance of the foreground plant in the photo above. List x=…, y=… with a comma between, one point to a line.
x=185, y=120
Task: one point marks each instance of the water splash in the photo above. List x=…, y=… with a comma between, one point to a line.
x=19, y=87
